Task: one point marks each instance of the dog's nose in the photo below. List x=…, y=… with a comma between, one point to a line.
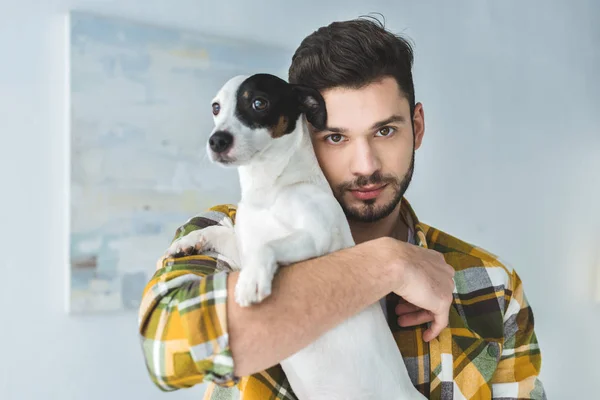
x=220, y=141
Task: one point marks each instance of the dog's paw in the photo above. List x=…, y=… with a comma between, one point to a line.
x=191, y=243
x=253, y=285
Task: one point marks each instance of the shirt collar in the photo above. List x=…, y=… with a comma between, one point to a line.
x=415, y=228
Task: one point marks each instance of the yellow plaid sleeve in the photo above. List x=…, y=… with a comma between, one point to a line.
x=516, y=376
x=182, y=317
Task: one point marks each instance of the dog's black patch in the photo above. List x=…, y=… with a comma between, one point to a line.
x=267, y=101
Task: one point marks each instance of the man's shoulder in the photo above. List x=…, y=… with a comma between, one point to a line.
x=223, y=211
x=484, y=284
x=446, y=243
x=477, y=269
x=220, y=214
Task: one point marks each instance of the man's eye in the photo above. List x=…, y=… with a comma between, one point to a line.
x=335, y=138
x=385, y=131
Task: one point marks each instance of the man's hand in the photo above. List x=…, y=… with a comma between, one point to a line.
x=411, y=315
x=426, y=284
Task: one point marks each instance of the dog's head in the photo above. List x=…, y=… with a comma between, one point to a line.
x=257, y=116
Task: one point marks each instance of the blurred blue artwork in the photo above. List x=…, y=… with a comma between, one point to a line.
x=140, y=116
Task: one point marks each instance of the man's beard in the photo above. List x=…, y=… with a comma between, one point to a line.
x=368, y=211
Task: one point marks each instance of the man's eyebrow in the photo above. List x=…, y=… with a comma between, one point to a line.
x=392, y=119
x=379, y=124
x=331, y=129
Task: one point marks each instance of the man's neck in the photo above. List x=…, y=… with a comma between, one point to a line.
x=393, y=225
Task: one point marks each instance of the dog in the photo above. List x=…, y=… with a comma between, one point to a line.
x=288, y=213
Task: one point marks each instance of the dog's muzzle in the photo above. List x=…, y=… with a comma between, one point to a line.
x=220, y=141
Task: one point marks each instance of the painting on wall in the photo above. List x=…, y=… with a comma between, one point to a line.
x=139, y=119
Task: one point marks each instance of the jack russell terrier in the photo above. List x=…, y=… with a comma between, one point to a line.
x=288, y=214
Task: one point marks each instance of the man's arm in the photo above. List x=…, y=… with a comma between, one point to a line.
x=182, y=324
x=517, y=374
x=308, y=299
x=193, y=331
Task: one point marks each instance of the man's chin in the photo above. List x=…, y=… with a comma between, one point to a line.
x=368, y=212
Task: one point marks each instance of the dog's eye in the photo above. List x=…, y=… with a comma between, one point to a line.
x=216, y=107
x=260, y=104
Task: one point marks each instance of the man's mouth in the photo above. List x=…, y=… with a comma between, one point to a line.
x=367, y=192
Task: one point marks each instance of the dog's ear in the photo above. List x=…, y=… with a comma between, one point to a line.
x=311, y=104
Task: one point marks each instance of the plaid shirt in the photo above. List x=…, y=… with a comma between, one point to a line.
x=488, y=351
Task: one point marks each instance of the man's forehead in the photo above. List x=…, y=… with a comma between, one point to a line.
x=358, y=110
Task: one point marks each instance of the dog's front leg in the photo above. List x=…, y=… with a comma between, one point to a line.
x=259, y=268
x=256, y=275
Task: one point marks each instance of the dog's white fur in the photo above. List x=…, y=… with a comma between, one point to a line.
x=287, y=214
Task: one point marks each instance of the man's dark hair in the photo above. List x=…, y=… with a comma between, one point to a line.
x=353, y=54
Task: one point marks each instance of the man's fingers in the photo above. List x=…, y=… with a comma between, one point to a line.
x=405, y=308
x=415, y=318
x=436, y=328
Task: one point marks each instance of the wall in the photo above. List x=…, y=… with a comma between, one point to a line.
x=510, y=161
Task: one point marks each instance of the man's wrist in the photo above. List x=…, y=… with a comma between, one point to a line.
x=387, y=252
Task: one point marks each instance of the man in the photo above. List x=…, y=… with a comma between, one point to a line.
x=466, y=334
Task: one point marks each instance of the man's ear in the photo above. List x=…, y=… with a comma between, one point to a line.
x=311, y=104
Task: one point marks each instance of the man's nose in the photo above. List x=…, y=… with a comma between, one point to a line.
x=365, y=161
x=220, y=141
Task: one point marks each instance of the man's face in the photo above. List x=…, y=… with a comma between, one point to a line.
x=367, y=150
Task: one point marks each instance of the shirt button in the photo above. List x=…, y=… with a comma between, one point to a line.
x=492, y=350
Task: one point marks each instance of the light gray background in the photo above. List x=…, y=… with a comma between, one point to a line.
x=511, y=161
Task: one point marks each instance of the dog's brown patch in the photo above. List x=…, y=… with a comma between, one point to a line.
x=246, y=94
x=279, y=129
